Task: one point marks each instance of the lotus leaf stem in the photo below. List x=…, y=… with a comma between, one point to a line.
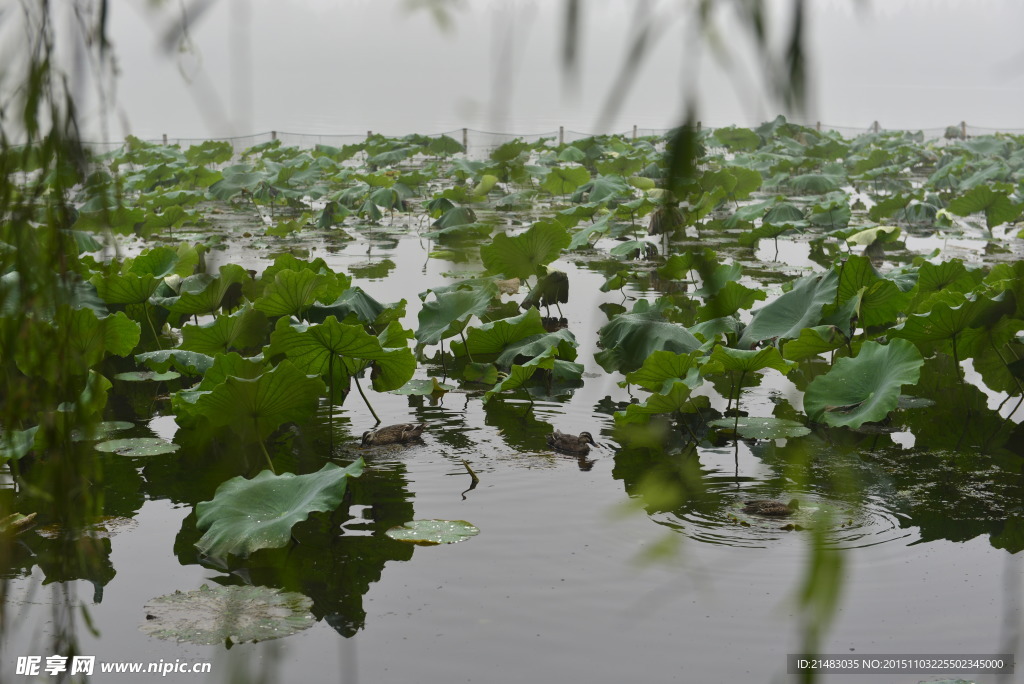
x=466, y=345
x=156, y=338
x=365, y=400
x=266, y=454
x=736, y=423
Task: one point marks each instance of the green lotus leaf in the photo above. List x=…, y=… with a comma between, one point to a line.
x=524, y=255
x=16, y=443
x=815, y=183
x=449, y=312
x=519, y=374
x=880, y=303
x=292, y=292
x=89, y=340
x=793, y=311
x=663, y=367
x=747, y=361
x=996, y=204
x=783, y=212
x=865, y=388
x=445, y=146
x=243, y=329
x=990, y=348
x=424, y=387
x=508, y=151
x=89, y=404
x=763, y=428
x=248, y=515
x=354, y=301
x=1006, y=277
x=121, y=220
x=674, y=398
x=494, y=337
x=232, y=364
x=855, y=274
x=562, y=342
x=812, y=342
x=572, y=154
x=253, y=408
x=100, y=431
x=290, y=262
x=716, y=277
x=125, y=288
x=603, y=189
x=433, y=532
x=227, y=614
x=831, y=215
x=138, y=446
x=943, y=322
x=583, y=236
x=165, y=261
x=147, y=376
x=731, y=298
x=550, y=288
x=236, y=180
x=949, y=275
x=185, y=362
x=455, y=217
x=203, y=293
x=562, y=180
x=737, y=139
x=92, y=338
x=628, y=339
x=878, y=233
x=705, y=263
x=210, y=152
x=484, y=373
x=767, y=230
x=312, y=347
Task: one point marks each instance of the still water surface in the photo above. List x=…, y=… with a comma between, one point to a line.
x=570, y=578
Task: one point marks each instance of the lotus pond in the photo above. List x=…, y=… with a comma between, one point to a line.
x=781, y=313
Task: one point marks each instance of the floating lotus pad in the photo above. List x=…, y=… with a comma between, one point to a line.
x=138, y=446
x=227, y=614
x=147, y=376
x=433, y=532
x=763, y=428
x=102, y=430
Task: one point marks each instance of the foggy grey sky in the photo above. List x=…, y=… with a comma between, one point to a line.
x=316, y=66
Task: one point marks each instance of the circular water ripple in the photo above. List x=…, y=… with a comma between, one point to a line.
x=846, y=525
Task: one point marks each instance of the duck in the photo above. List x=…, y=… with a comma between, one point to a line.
x=393, y=434
x=577, y=445
x=771, y=508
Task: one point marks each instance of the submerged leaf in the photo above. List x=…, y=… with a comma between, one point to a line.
x=233, y=614
x=763, y=428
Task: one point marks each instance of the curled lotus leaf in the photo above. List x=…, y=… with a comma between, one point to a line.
x=248, y=515
x=865, y=388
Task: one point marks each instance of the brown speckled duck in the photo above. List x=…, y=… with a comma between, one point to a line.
x=577, y=445
x=393, y=434
x=771, y=508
